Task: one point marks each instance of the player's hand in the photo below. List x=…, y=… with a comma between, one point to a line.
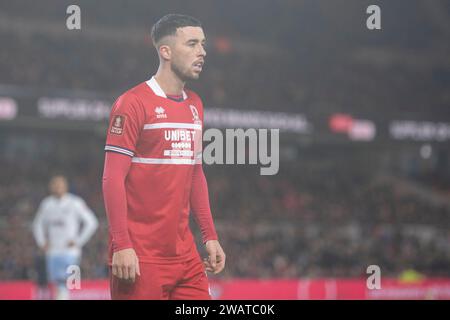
x=216, y=257
x=71, y=244
x=125, y=264
x=45, y=247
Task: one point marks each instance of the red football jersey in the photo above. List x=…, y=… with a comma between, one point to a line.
x=163, y=137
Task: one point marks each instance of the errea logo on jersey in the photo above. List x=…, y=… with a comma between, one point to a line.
x=160, y=113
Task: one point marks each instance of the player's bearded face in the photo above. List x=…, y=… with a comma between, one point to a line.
x=188, y=53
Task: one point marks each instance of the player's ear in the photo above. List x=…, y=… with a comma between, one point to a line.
x=165, y=52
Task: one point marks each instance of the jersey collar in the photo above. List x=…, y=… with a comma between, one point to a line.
x=153, y=84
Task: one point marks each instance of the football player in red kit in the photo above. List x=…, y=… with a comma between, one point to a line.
x=153, y=176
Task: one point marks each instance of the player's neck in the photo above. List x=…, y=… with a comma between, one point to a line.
x=59, y=195
x=169, y=82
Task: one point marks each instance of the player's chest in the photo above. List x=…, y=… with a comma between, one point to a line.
x=61, y=216
x=172, y=113
x=170, y=127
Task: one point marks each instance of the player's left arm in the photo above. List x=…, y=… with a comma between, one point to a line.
x=202, y=214
x=199, y=201
x=90, y=223
x=38, y=227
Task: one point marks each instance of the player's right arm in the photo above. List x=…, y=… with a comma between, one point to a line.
x=125, y=264
x=127, y=119
x=38, y=227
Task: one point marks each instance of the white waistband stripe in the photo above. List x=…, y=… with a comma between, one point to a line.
x=172, y=125
x=163, y=161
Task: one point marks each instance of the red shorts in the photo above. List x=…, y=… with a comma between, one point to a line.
x=181, y=281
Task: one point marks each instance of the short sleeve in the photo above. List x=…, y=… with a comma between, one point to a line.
x=125, y=124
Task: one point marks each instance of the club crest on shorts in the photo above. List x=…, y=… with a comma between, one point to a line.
x=118, y=124
x=195, y=115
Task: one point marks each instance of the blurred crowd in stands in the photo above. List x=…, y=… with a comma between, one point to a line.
x=318, y=217
x=315, y=218
x=303, y=63
x=314, y=83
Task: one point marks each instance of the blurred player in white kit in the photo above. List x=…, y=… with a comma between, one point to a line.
x=62, y=226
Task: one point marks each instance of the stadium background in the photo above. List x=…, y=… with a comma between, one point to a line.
x=364, y=145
